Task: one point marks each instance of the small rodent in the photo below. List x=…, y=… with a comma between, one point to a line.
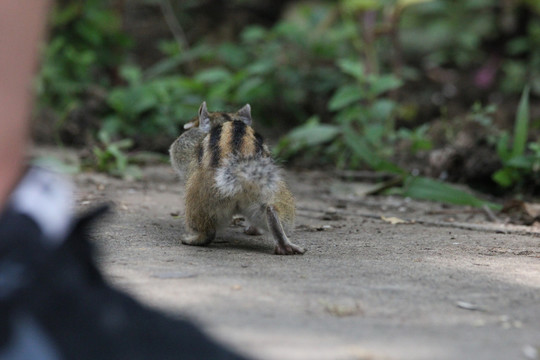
x=230, y=171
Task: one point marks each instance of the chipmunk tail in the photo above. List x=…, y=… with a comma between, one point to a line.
x=258, y=176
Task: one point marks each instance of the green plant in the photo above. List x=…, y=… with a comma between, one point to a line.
x=354, y=68
x=365, y=117
x=363, y=122
x=517, y=163
x=110, y=157
x=483, y=114
x=417, y=137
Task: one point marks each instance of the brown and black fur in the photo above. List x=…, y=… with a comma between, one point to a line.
x=231, y=171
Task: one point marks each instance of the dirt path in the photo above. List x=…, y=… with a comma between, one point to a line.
x=366, y=289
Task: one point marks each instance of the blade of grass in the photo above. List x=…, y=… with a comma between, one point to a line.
x=521, y=128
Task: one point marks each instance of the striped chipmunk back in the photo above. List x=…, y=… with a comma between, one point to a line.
x=237, y=157
x=230, y=139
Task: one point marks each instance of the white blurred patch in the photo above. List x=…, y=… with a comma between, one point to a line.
x=48, y=199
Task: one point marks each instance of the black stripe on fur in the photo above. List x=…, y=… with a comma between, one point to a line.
x=238, y=132
x=215, y=136
x=259, y=143
x=200, y=153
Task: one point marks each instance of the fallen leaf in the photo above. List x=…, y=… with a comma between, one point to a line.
x=343, y=308
x=394, y=220
x=331, y=214
x=533, y=209
x=521, y=212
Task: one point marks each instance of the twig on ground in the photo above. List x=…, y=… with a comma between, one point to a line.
x=495, y=228
x=491, y=216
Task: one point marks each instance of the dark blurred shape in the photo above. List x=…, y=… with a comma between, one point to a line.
x=55, y=304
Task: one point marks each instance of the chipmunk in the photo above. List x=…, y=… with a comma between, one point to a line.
x=230, y=171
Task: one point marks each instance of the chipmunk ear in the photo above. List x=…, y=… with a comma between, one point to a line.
x=204, y=118
x=245, y=114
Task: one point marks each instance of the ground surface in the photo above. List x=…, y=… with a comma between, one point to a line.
x=365, y=289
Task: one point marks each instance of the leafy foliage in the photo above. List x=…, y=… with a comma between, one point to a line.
x=275, y=70
x=85, y=47
x=359, y=71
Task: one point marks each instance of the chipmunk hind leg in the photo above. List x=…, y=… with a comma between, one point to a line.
x=201, y=224
x=283, y=245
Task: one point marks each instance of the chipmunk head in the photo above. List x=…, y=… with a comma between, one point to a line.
x=207, y=120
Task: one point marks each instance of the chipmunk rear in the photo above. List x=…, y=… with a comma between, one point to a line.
x=230, y=172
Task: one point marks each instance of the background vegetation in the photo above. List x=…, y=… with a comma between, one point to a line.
x=444, y=90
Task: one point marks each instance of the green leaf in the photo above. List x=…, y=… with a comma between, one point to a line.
x=429, y=189
x=502, y=147
x=353, y=68
x=261, y=67
x=250, y=88
x=88, y=33
x=504, y=177
x=138, y=100
x=382, y=109
x=213, y=75
x=384, y=165
x=384, y=83
x=124, y=144
x=345, y=96
x=374, y=133
x=253, y=34
x=313, y=133
x=132, y=74
x=520, y=162
x=361, y=149
x=421, y=144
x=521, y=128
x=233, y=55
